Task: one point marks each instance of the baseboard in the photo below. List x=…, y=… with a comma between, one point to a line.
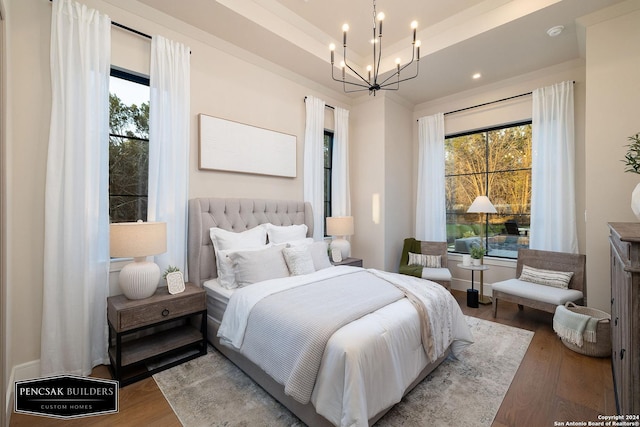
x=463, y=285
x=24, y=371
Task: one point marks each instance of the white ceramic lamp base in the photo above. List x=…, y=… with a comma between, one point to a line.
x=343, y=245
x=139, y=279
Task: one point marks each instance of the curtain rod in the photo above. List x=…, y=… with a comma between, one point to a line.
x=491, y=102
x=488, y=103
x=124, y=27
x=325, y=105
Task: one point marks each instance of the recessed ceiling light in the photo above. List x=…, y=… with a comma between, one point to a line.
x=555, y=31
x=476, y=76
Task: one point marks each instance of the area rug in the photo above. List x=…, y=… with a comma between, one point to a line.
x=211, y=391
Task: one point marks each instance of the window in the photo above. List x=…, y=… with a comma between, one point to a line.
x=128, y=146
x=328, y=160
x=497, y=163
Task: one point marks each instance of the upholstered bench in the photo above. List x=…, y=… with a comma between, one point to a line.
x=539, y=296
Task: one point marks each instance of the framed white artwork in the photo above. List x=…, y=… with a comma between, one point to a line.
x=236, y=147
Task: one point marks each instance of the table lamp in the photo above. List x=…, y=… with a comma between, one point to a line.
x=138, y=240
x=339, y=227
x=482, y=204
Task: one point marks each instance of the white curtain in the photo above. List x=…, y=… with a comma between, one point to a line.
x=314, y=162
x=431, y=218
x=553, y=211
x=169, y=112
x=76, y=240
x=340, y=196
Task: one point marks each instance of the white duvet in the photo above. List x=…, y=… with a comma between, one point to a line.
x=386, y=342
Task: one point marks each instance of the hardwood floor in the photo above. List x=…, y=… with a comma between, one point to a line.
x=552, y=383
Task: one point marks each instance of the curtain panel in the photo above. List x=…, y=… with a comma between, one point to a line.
x=76, y=241
x=169, y=133
x=340, y=195
x=431, y=217
x=314, y=162
x=553, y=210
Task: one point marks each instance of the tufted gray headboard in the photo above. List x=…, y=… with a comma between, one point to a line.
x=234, y=215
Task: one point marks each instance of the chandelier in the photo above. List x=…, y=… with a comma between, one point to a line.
x=371, y=83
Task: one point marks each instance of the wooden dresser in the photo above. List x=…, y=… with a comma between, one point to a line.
x=625, y=315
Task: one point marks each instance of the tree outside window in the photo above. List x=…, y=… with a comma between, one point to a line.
x=495, y=163
x=128, y=148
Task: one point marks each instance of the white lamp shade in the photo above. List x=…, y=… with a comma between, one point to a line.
x=482, y=204
x=340, y=225
x=137, y=239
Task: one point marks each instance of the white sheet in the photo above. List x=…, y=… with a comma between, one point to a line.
x=386, y=342
x=217, y=299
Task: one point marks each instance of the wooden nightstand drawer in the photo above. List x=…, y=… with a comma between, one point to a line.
x=125, y=314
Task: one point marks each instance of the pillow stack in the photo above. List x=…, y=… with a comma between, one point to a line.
x=246, y=258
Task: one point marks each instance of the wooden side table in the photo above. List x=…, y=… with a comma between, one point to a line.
x=143, y=332
x=481, y=298
x=356, y=262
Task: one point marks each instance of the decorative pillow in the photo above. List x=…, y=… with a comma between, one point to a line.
x=298, y=259
x=286, y=233
x=557, y=279
x=429, y=261
x=224, y=240
x=255, y=266
x=320, y=255
x=226, y=272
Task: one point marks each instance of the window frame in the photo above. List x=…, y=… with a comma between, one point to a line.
x=328, y=171
x=485, y=223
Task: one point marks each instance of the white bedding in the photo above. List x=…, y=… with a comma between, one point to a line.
x=388, y=338
x=217, y=299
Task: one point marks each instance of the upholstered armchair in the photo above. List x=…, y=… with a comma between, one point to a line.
x=437, y=272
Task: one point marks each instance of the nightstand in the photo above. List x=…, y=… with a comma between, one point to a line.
x=356, y=262
x=144, y=332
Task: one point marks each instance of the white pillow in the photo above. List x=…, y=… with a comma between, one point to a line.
x=320, y=255
x=286, y=233
x=429, y=261
x=255, y=266
x=224, y=240
x=226, y=272
x=298, y=259
x=303, y=242
x=557, y=279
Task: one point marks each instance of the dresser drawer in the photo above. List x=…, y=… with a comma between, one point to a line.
x=126, y=314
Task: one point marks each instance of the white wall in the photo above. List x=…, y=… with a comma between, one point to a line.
x=366, y=124
x=612, y=115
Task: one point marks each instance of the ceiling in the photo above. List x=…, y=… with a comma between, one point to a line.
x=497, y=38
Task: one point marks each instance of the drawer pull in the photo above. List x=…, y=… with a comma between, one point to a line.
x=165, y=312
x=616, y=322
x=622, y=354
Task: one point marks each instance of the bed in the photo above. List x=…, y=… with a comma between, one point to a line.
x=353, y=384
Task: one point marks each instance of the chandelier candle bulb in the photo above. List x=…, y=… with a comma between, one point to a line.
x=414, y=25
x=345, y=28
x=332, y=48
x=380, y=18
